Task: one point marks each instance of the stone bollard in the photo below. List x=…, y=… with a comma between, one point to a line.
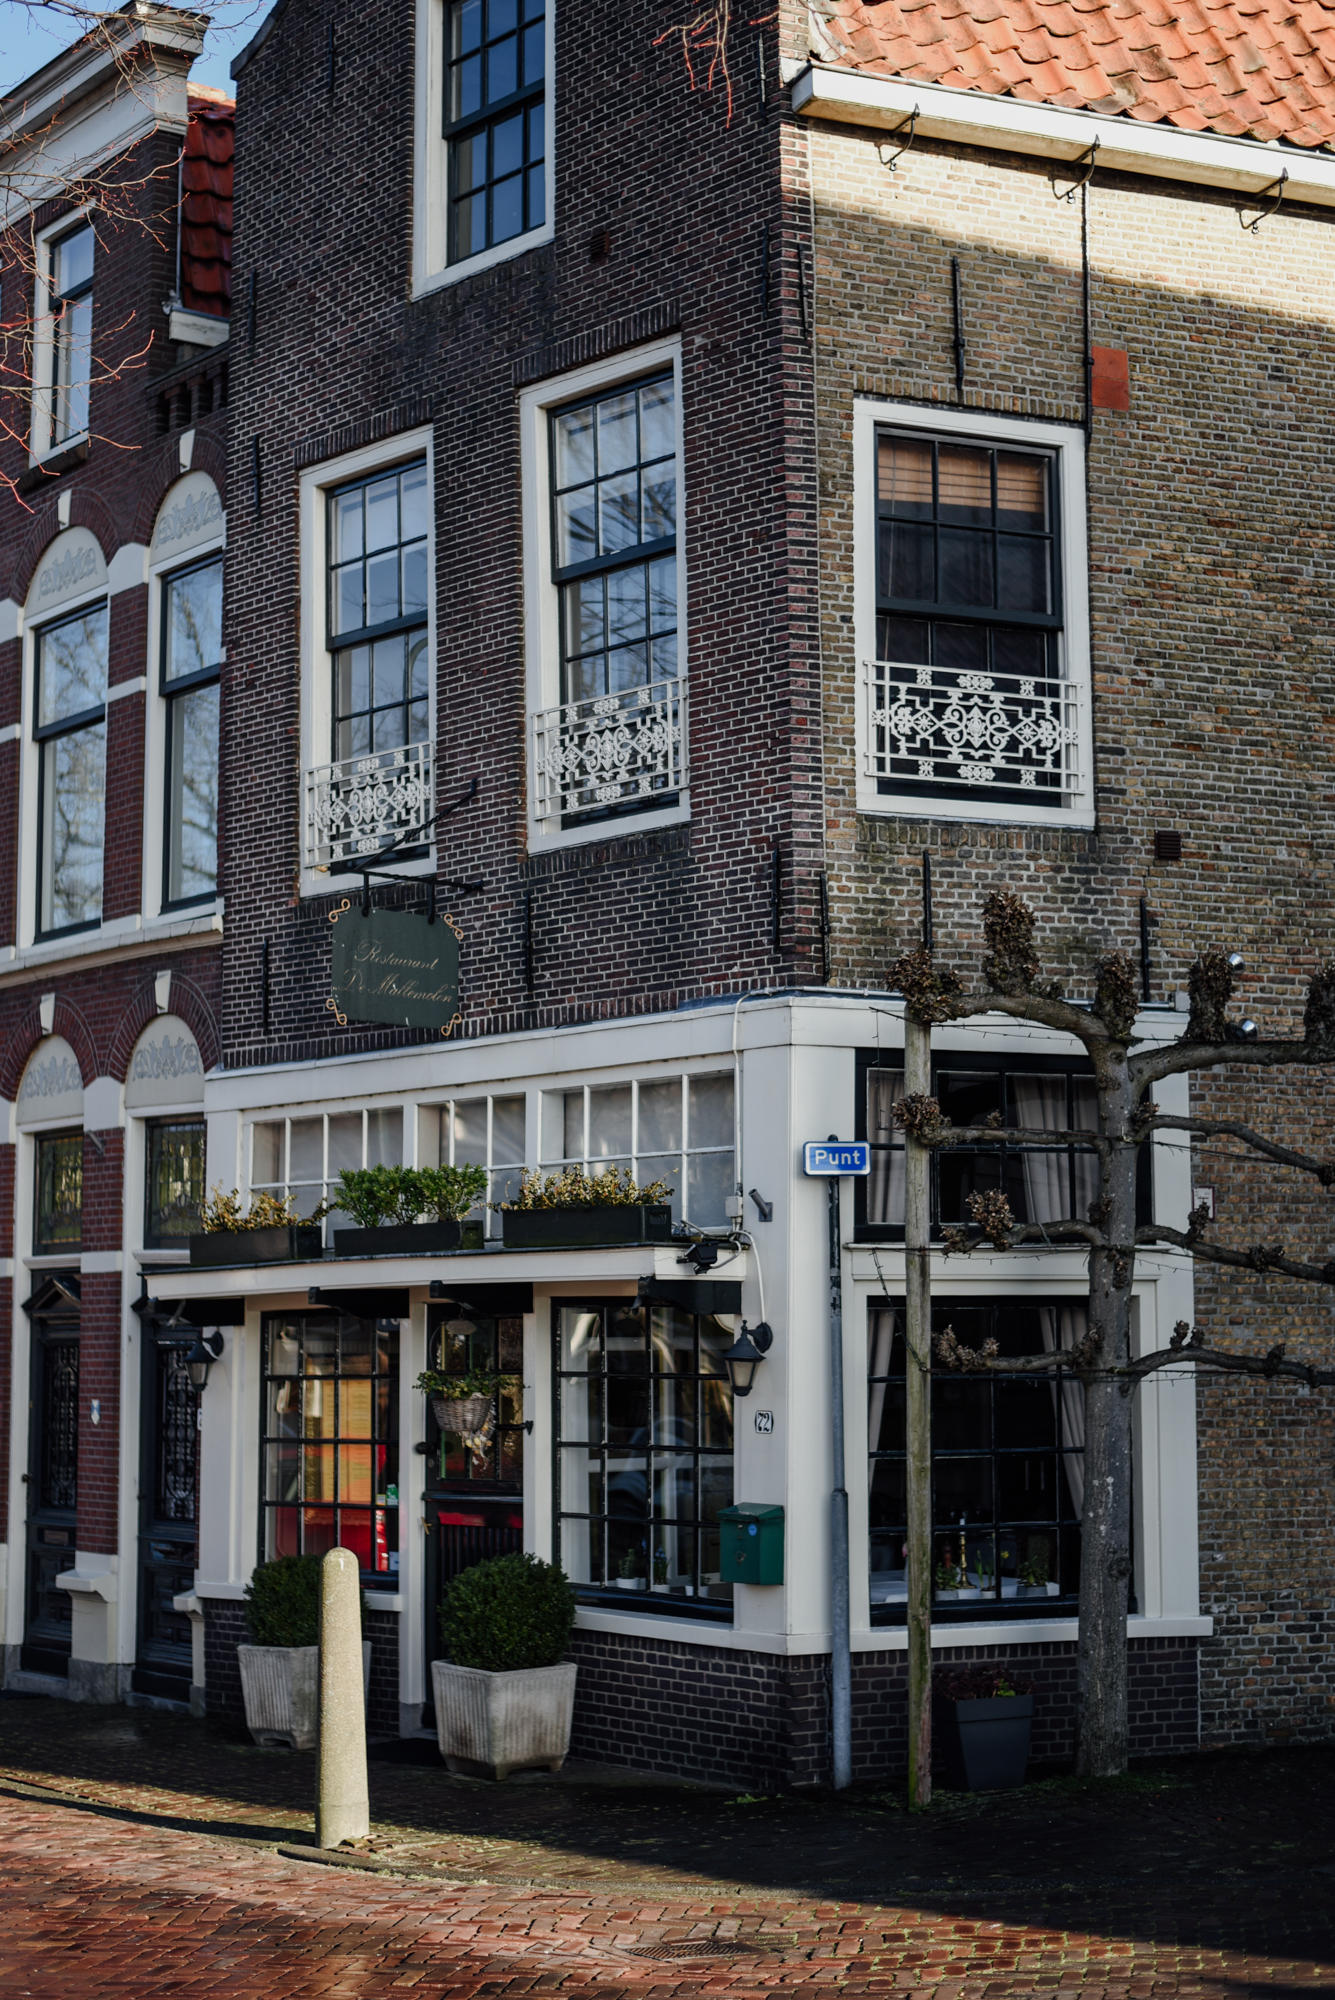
x=343, y=1808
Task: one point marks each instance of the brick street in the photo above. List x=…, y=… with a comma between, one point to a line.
x=143, y=1855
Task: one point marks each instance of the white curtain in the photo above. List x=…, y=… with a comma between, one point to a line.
x=1040, y=1106
x=885, y=1194
x=1064, y=1326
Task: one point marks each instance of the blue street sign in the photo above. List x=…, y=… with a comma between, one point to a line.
x=836, y=1156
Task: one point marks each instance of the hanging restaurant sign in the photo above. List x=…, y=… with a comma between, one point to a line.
x=396, y=967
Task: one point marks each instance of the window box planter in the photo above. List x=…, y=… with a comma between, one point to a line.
x=288, y=1243
x=280, y=1686
x=984, y=1744
x=488, y=1725
x=404, y=1239
x=586, y=1228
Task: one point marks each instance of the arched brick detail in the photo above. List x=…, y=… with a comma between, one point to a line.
x=162, y=472
x=69, y=1022
x=186, y=1000
x=87, y=510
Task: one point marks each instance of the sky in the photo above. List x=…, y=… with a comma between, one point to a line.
x=32, y=35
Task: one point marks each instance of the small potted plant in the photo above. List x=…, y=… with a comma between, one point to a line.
x=387, y=1202
x=1035, y=1573
x=574, y=1209
x=505, y=1696
x=280, y=1669
x=983, y=1716
x=660, y=1569
x=630, y=1570
x=268, y=1232
x=465, y=1405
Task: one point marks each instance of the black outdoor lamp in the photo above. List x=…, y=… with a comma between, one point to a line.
x=745, y=1355
x=207, y=1349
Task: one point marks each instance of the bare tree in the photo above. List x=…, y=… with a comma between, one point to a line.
x=1127, y=1116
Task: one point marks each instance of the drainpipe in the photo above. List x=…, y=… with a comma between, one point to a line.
x=841, y=1665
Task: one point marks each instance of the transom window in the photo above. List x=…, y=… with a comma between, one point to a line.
x=378, y=611
x=644, y=1428
x=330, y=1452
x=495, y=121
x=173, y=1181
x=58, y=1209
x=1008, y=1476
x=303, y=1157
x=477, y=1132
x=70, y=302
x=71, y=731
x=677, y=1129
x=191, y=662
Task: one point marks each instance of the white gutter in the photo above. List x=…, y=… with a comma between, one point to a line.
x=1052, y=132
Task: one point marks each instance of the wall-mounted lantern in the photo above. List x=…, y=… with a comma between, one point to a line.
x=745, y=1355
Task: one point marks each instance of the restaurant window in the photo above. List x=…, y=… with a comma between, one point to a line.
x=173, y=1181
x=330, y=1451
x=1008, y=1465
x=644, y=1431
x=302, y=1157
x=677, y=1129
x=477, y=1132
x=58, y=1208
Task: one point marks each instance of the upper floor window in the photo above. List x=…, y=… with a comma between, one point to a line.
x=71, y=732
x=191, y=661
x=677, y=1129
x=69, y=288
x=495, y=122
x=303, y=1157
x=977, y=689
x=173, y=1181
x=58, y=1208
x=477, y=1132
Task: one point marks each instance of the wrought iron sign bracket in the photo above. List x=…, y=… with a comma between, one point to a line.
x=907, y=125
x=1087, y=161
x=1275, y=189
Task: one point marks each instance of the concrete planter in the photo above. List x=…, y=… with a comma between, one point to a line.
x=281, y=1689
x=488, y=1725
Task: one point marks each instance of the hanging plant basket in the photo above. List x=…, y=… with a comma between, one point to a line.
x=467, y=1417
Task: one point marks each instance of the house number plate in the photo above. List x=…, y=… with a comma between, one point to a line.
x=764, y=1422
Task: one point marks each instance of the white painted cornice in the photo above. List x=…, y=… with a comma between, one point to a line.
x=1053, y=132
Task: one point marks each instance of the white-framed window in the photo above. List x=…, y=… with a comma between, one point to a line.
x=485, y=1132
x=677, y=1129
x=62, y=334
x=972, y=622
x=605, y=605
x=70, y=735
x=302, y=1155
x=190, y=665
x=483, y=180
x=368, y=703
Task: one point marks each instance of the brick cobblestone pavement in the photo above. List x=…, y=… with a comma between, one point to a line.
x=145, y=1854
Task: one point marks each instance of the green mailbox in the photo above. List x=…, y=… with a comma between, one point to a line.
x=751, y=1544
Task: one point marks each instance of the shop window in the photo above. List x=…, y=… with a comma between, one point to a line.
x=173, y=1181
x=1008, y=1476
x=677, y=1129
x=302, y=1157
x=58, y=1208
x=477, y=1132
x=71, y=733
x=191, y=660
x=330, y=1450
x=644, y=1430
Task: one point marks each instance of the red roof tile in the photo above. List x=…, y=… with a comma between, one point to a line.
x=206, y=203
x=1260, y=69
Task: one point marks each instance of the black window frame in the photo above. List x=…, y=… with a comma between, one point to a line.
x=1060, y=1530
x=155, y=1129
x=339, y=641
x=965, y=1061
x=44, y=733
x=58, y=306
x=44, y=1145
x=665, y=1600
x=172, y=690
x=373, y=1579
x=939, y=610
x=527, y=99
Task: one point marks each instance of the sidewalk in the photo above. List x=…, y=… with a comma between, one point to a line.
x=145, y=1854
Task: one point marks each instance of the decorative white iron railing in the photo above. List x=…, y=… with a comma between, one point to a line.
x=615, y=750
x=365, y=805
x=1011, y=733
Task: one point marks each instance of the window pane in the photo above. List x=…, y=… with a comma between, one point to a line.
x=711, y=1111
x=507, y=1130
x=709, y=1182
x=904, y=476
x=609, y=1123
x=617, y=433
x=657, y=426
x=192, y=795
x=470, y=1133
x=58, y=1222
x=660, y=1117
x=175, y=1180
x=72, y=666
x=384, y=1138
x=346, y=517
x=73, y=784
x=306, y=1150
x=266, y=1153
x=194, y=622
x=73, y=260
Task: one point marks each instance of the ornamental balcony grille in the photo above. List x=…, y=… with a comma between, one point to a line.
x=612, y=753
x=1003, y=736
x=365, y=805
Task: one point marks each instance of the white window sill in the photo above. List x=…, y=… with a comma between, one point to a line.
x=451, y=274
x=135, y=930
x=622, y=826
x=318, y=882
x=1025, y=1632
x=884, y=805
x=50, y=451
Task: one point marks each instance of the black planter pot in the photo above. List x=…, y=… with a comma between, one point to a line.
x=984, y=1745
x=586, y=1228
x=399, y=1239
x=287, y=1243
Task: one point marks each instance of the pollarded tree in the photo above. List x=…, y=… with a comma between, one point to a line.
x=1104, y=1362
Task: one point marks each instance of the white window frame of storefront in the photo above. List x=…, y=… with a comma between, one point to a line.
x=451, y=1154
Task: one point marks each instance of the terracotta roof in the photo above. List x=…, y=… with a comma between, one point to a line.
x=206, y=203
x=1256, y=69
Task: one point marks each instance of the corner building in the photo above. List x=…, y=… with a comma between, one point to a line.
x=652, y=528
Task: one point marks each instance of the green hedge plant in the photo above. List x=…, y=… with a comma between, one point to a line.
x=376, y=1196
x=283, y=1602
x=573, y=1187
x=508, y=1613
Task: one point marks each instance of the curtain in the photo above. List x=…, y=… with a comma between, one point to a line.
x=885, y=1194
x=1063, y=1326
x=1040, y=1106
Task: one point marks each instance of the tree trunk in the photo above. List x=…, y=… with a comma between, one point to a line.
x=1105, y=1529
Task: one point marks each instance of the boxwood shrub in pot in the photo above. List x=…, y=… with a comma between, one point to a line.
x=388, y=1204
x=280, y=1671
x=505, y=1696
x=982, y=1717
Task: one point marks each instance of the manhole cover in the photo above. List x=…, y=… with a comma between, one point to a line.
x=708, y=1948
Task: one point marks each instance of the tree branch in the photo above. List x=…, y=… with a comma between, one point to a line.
x=1152, y=1064
x=1258, y=1257
x=1011, y=1135
x=1229, y=1128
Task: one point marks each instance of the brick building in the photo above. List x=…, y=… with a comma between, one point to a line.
x=648, y=534
x=114, y=253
